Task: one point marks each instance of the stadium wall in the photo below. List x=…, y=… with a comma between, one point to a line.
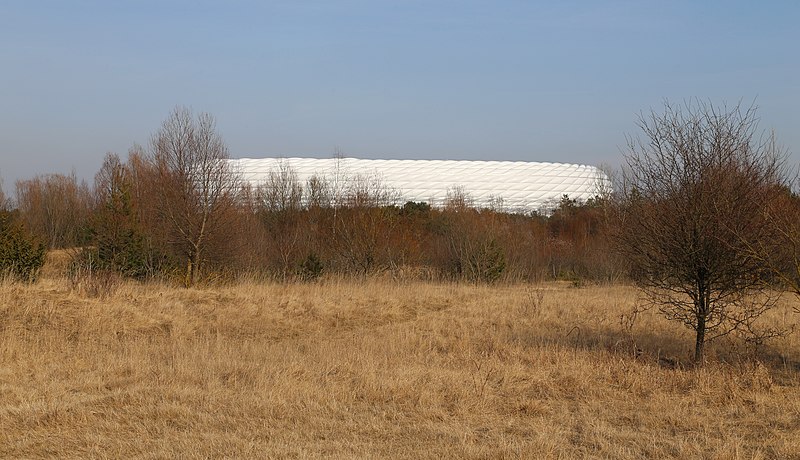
x=516, y=186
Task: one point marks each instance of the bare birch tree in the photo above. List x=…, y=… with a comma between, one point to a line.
x=196, y=184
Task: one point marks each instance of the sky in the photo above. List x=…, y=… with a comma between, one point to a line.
x=407, y=79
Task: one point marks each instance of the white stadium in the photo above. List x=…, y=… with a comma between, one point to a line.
x=517, y=186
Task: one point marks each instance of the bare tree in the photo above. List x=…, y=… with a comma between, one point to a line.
x=282, y=189
x=787, y=226
x=473, y=249
x=55, y=207
x=279, y=208
x=318, y=193
x=196, y=185
x=781, y=253
x=690, y=208
x=364, y=222
x=3, y=199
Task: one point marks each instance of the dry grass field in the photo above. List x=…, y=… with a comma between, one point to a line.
x=379, y=370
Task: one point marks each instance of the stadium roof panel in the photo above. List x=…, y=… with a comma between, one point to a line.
x=522, y=186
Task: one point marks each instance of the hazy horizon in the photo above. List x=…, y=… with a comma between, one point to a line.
x=473, y=80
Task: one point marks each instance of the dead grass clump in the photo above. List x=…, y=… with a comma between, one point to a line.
x=95, y=283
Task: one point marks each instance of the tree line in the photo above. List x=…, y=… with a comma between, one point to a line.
x=177, y=210
x=703, y=218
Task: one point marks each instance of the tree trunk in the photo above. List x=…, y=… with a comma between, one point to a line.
x=196, y=266
x=187, y=281
x=700, y=340
x=192, y=268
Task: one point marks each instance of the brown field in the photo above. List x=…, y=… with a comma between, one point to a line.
x=379, y=370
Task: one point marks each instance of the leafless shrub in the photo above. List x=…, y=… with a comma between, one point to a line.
x=534, y=300
x=88, y=279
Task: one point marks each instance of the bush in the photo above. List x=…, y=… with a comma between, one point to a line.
x=89, y=277
x=311, y=268
x=21, y=255
x=486, y=262
x=124, y=254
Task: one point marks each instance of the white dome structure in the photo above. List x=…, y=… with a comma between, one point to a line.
x=518, y=186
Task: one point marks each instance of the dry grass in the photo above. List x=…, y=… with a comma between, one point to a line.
x=379, y=370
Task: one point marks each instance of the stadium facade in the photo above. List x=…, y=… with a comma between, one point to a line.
x=517, y=186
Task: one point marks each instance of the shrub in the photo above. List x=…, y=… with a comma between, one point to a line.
x=486, y=261
x=21, y=255
x=311, y=268
x=89, y=277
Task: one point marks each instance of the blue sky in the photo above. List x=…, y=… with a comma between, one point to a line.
x=510, y=80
